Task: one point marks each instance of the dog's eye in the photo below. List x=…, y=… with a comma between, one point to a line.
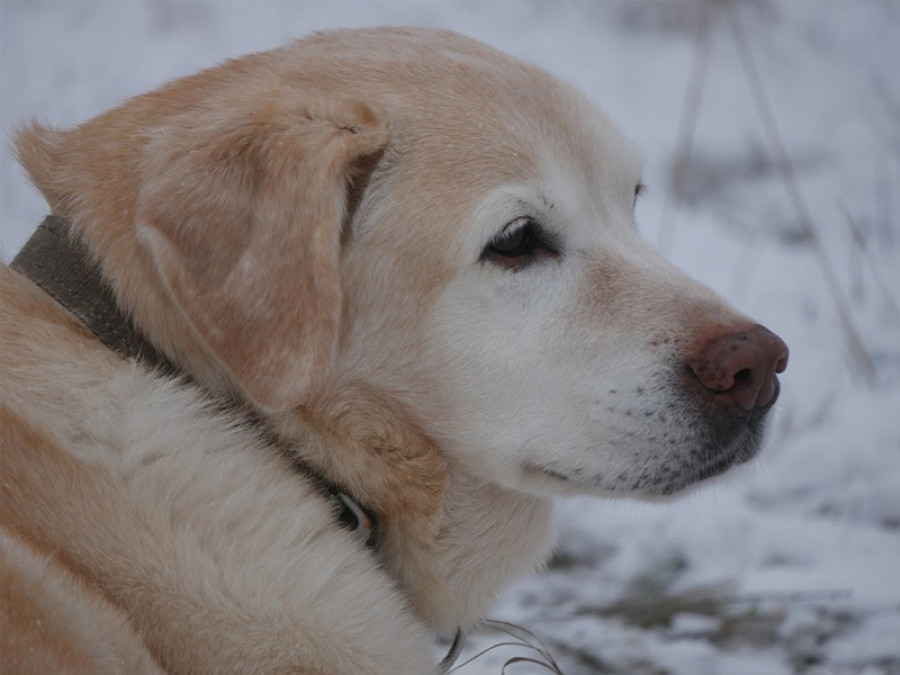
x=520, y=242
x=639, y=190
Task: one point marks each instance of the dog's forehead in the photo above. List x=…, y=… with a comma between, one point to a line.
x=449, y=94
x=468, y=122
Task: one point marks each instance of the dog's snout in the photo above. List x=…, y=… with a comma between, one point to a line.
x=737, y=370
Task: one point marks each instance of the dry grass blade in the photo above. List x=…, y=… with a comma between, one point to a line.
x=487, y=650
x=785, y=167
x=889, y=101
x=516, y=631
x=687, y=125
x=522, y=659
x=793, y=597
x=522, y=639
x=871, y=264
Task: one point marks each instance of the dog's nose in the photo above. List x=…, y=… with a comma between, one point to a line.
x=738, y=370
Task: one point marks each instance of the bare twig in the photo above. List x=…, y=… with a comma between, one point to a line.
x=861, y=243
x=687, y=125
x=783, y=163
x=891, y=108
x=890, y=102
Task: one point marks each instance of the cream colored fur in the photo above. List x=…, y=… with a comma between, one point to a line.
x=53, y=623
x=303, y=229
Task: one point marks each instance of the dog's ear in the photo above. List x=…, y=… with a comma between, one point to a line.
x=242, y=216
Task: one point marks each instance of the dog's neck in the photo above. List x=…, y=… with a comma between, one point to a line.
x=57, y=261
x=451, y=540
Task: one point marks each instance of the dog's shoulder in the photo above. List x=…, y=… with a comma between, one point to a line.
x=161, y=497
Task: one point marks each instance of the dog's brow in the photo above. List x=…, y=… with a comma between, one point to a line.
x=540, y=203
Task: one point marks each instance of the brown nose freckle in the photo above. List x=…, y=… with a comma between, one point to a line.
x=738, y=370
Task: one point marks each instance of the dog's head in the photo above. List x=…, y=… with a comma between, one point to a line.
x=414, y=215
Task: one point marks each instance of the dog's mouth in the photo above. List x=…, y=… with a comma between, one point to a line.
x=741, y=448
x=712, y=447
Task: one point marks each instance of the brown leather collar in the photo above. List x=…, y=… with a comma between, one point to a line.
x=58, y=261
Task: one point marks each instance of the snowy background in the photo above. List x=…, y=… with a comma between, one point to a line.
x=790, y=566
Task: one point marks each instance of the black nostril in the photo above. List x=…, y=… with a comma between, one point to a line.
x=745, y=375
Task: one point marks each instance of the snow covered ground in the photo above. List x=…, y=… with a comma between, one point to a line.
x=791, y=565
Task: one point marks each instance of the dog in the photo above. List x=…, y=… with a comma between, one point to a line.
x=393, y=286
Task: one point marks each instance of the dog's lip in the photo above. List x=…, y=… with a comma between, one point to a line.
x=531, y=468
x=740, y=450
x=555, y=481
x=740, y=441
x=743, y=447
x=758, y=413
